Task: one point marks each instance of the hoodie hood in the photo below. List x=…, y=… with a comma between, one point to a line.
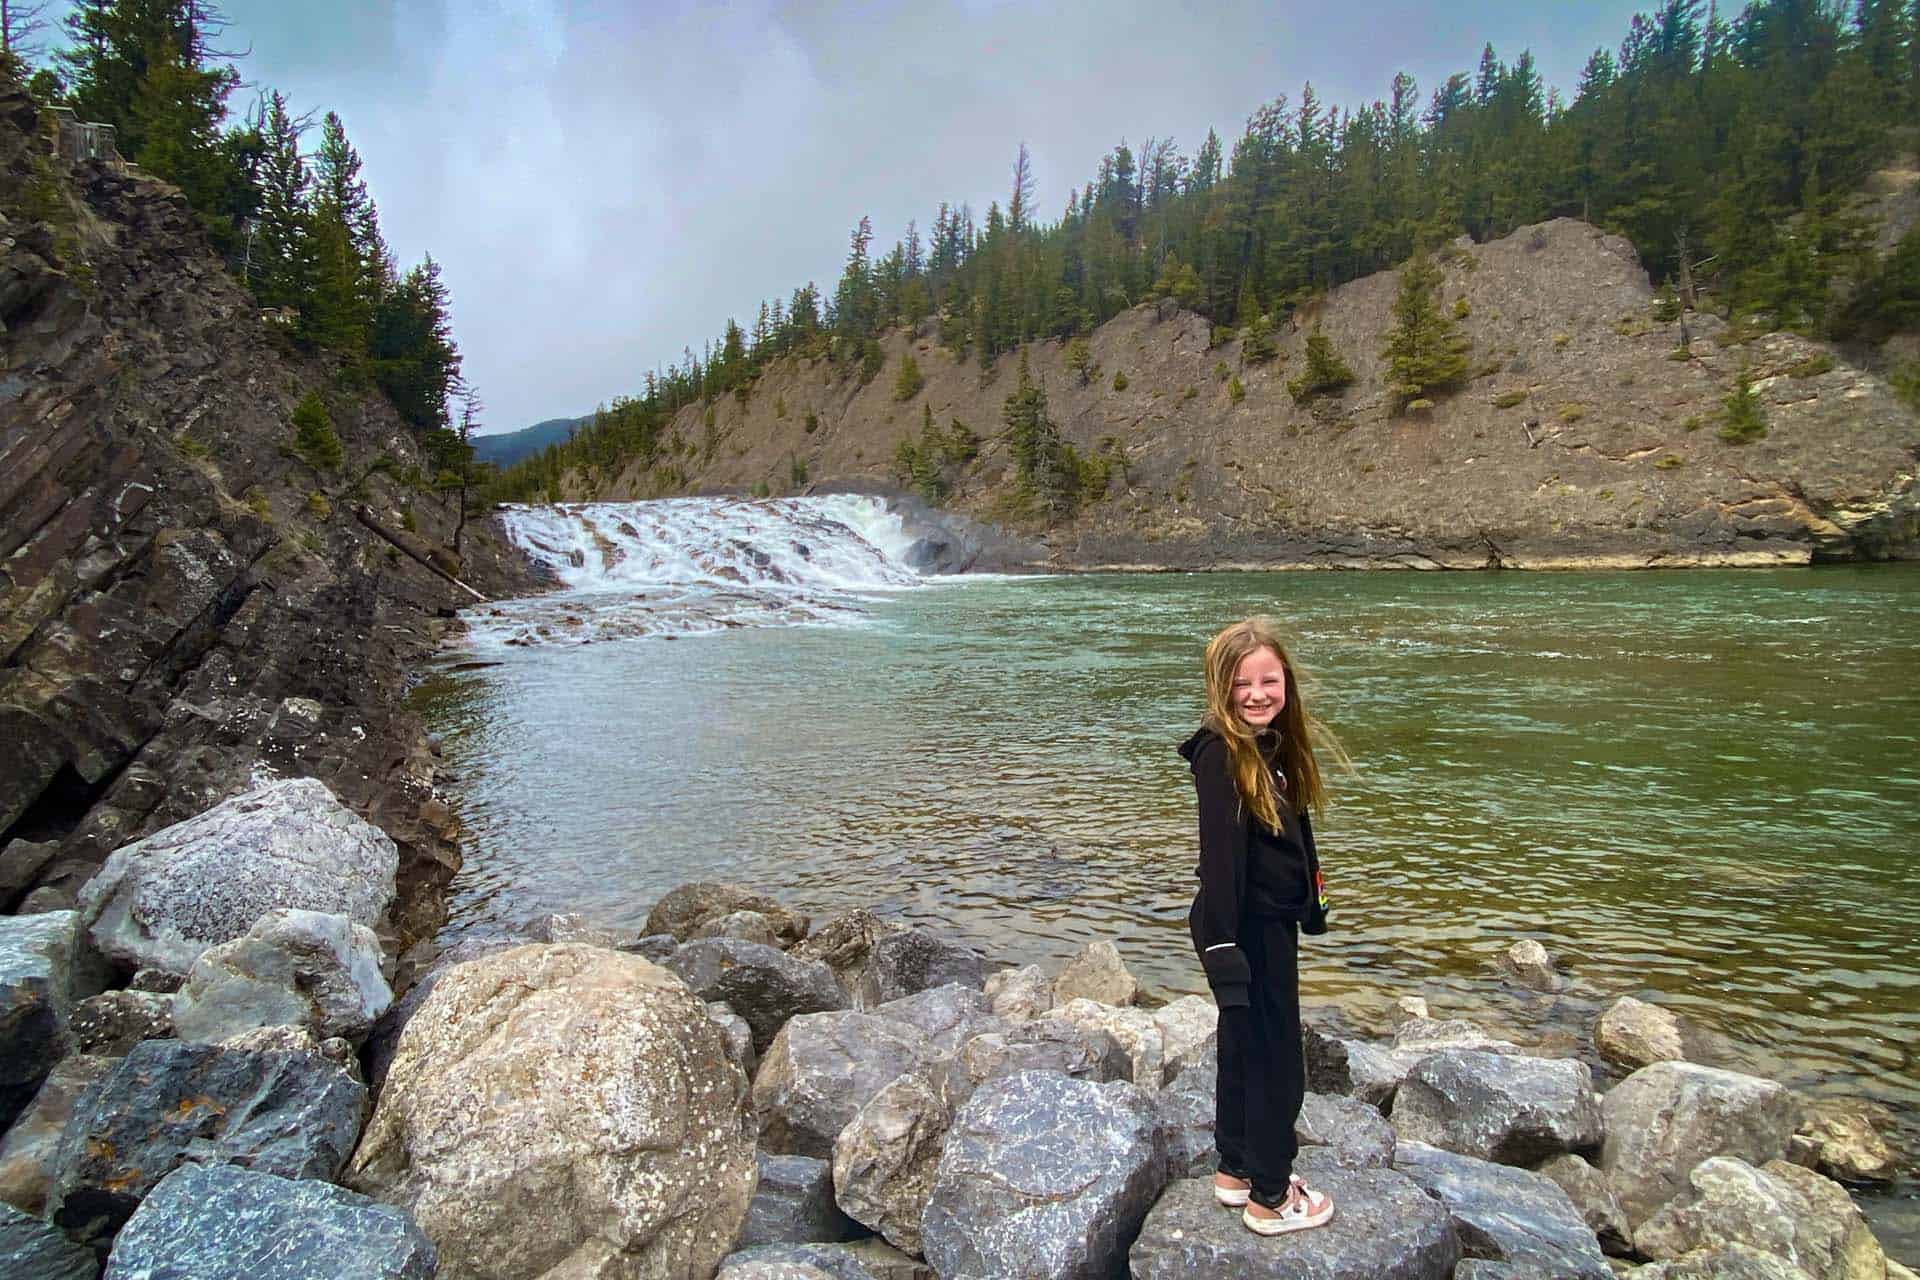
x=1191, y=747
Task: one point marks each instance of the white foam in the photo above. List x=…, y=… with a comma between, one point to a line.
x=690, y=566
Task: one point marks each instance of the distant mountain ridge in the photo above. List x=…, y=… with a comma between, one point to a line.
x=509, y=447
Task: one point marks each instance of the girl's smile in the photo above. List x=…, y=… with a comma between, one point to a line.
x=1260, y=687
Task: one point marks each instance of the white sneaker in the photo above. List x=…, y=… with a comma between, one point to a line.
x=1303, y=1208
x=1231, y=1197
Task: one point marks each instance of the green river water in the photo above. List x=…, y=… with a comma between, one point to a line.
x=1700, y=788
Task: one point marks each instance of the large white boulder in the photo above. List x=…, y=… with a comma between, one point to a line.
x=159, y=902
x=563, y=1111
x=294, y=968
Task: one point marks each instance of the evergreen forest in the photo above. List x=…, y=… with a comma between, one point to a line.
x=1725, y=146
x=281, y=195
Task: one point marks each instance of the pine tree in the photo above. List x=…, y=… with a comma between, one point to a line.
x=1325, y=373
x=908, y=381
x=1425, y=350
x=1034, y=442
x=414, y=357
x=314, y=438
x=1079, y=359
x=282, y=258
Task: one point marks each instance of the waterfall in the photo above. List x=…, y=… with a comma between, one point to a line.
x=686, y=566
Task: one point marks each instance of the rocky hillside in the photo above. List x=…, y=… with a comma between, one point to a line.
x=185, y=603
x=1581, y=441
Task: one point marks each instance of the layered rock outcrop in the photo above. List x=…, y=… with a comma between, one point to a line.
x=186, y=604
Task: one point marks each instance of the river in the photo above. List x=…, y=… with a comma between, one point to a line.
x=1700, y=788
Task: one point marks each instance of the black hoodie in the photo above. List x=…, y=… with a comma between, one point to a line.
x=1246, y=871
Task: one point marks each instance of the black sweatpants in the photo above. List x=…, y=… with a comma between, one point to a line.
x=1263, y=1075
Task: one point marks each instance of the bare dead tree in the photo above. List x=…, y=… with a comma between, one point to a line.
x=23, y=23
x=1020, y=203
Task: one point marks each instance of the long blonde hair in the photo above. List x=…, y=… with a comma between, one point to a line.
x=1295, y=726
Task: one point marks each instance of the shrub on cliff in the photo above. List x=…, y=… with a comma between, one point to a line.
x=1258, y=346
x=1425, y=350
x=907, y=382
x=1325, y=372
x=1746, y=417
x=314, y=438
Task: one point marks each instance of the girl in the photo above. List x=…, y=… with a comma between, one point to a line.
x=1256, y=776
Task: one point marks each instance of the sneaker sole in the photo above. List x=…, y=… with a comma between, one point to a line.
x=1231, y=1199
x=1281, y=1226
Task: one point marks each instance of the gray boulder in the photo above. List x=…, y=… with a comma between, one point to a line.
x=1666, y=1118
x=33, y=1249
x=1845, y=1137
x=1184, y=1112
x=685, y=909
x=1324, y=1037
x=293, y=968
x=947, y=1015
x=1096, y=972
x=219, y=1222
x=766, y=1269
x=885, y=1158
x=1527, y=963
x=168, y=1103
x=1507, y=1215
x=1205, y=1053
x=1633, y=1034
x=795, y=1262
x=1044, y=1044
x=764, y=985
x=29, y=1152
x=1723, y=1262
x=1593, y=1196
x=112, y=1022
x=290, y=1039
x=1373, y=1074
x=563, y=1109
x=1186, y=1026
x=821, y=1069
x=1020, y=995
x=161, y=901
x=1133, y=1029
x=1043, y=1177
x=571, y=926
x=915, y=959
x=1510, y=1109
x=845, y=945
x=1342, y=1133
x=748, y=926
x=1383, y=1228
x=738, y=1034
x=1419, y=1036
x=793, y=1204
x=44, y=973
x=1781, y=1209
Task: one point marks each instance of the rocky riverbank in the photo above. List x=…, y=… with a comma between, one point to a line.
x=187, y=604
x=208, y=1075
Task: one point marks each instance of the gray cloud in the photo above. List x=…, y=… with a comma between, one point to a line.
x=604, y=183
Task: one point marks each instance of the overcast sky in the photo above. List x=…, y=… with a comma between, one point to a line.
x=605, y=183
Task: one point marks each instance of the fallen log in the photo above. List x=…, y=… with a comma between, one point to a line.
x=412, y=547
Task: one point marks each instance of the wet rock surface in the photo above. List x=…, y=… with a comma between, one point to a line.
x=763, y=985
x=821, y=1069
x=162, y=901
x=1043, y=1176
x=32, y=1249
x=167, y=1103
x=1384, y=1228
x=220, y=1222
x=1507, y=1215
x=1498, y=1107
x=793, y=1204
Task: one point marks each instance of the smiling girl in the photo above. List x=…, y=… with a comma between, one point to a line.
x=1256, y=776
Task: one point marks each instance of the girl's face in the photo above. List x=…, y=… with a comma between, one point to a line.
x=1260, y=687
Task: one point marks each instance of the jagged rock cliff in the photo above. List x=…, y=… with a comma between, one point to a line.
x=1578, y=442
x=184, y=603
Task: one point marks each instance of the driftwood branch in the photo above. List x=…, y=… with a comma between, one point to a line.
x=413, y=549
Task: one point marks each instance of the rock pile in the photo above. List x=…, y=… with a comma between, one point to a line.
x=740, y=1094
